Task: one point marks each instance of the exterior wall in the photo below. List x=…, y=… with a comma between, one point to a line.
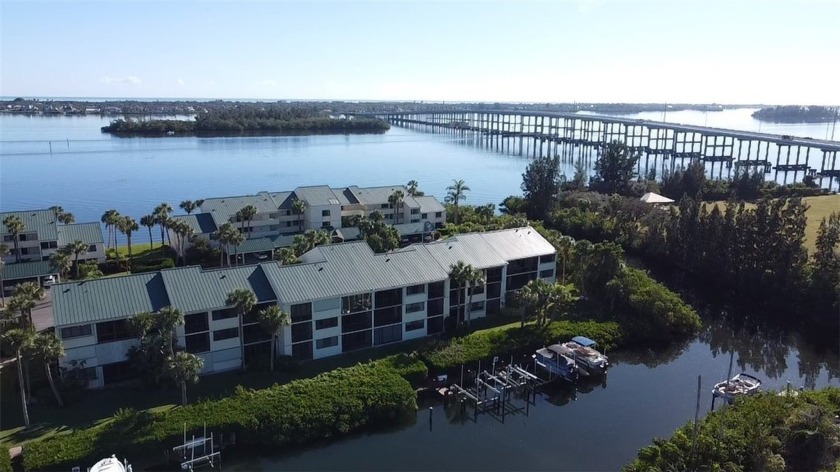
x=30, y=249
x=315, y=219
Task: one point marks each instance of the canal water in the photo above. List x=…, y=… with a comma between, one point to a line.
x=67, y=161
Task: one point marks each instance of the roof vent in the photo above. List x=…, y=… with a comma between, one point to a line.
x=223, y=276
x=388, y=260
x=320, y=269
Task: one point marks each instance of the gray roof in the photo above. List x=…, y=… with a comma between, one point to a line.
x=378, y=195
x=26, y=270
x=489, y=249
x=255, y=245
x=107, y=298
x=349, y=268
x=317, y=195
x=192, y=289
x=429, y=204
x=223, y=208
x=201, y=223
x=42, y=221
x=414, y=228
x=87, y=232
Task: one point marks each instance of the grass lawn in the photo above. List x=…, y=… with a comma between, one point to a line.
x=97, y=407
x=820, y=207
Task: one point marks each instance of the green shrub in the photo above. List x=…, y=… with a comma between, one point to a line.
x=328, y=405
x=153, y=265
x=5, y=462
x=504, y=342
x=408, y=366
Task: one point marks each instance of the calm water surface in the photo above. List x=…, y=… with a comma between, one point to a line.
x=67, y=161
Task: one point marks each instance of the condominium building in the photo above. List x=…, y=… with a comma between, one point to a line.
x=340, y=298
x=41, y=237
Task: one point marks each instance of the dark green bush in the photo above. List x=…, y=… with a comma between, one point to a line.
x=153, y=266
x=408, y=366
x=486, y=344
x=330, y=404
x=5, y=462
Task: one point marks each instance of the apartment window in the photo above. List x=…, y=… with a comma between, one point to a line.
x=355, y=303
x=415, y=221
x=415, y=211
x=301, y=332
x=477, y=306
x=301, y=312
x=327, y=323
x=116, y=372
x=494, y=306
x=302, y=351
x=325, y=213
x=108, y=331
x=435, y=325
x=547, y=258
x=92, y=248
x=424, y=216
x=76, y=331
x=478, y=290
x=435, y=307
x=228, y=333
x=386, y=298
x=387, y=334
x=385, y=205
x=196, y=343
x=436, y=290
x=386, y=316
x=49, y=245
x=291, y=223
x=288, y=212
x=196, y=323
x=24, y=251
x=415, y=307
x=8, y=238
x=351, y=342
x=355, y=322
x=522, y=265
x=254, y=334
x=224, y=314
x=547, y=274
x=494, y=290
x=438, y=214
x=326, y=342
x=415, y=289
x=415, y=325
x=325, y=224
x=494, y=275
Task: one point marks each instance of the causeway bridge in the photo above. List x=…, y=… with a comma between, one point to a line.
x=566, y=134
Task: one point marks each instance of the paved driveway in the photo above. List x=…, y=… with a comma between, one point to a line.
x=42, y=315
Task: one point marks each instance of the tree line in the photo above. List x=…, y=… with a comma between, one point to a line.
x=232, y=123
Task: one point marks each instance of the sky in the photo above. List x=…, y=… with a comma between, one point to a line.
x=677, y=51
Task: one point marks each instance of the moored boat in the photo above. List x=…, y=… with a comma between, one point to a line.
x=110, y=464
x=741, y=384
x=552, y=361
x=582, y=350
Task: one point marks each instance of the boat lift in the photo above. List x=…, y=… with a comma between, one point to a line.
x=198, y=451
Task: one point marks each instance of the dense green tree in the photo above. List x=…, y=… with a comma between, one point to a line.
x=614, y=169
x=690, y=181
x=540, y=185
x=272, y=320
x=513, y=205
x=188, y=206
x=78, y=249
x=15, y=226
x=20, y=340
x=47, y=348
x=455, y=193
x=412, y=187
x=380, y=236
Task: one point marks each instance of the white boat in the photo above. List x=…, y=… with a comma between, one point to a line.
x=110, y=464
x=741, y=384
x=582, y=350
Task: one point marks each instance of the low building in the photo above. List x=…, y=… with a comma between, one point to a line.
x=41, y=237
x=341, y=298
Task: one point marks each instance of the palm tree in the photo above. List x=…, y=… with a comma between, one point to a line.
x=15, y=226
x=285, y=255
x=247, y=214
x=20, y=340
x=77, y=248
x=456, y=193
x=413, y=188
x=67, y=218
x=184, y=232
x=161, y=215
x=396, y=200
x=149, y=222
x=243, y=300
x=184, y=367
x=222, y=234
x=272, y=320
x=299, y=207
x=236, y=238
x=26, y=296
x=532, y=296
x=474, y=279
x=170, y=317
x=458, y=273
x=47, y=348
x=110, y=218
x=128, y=225
x=198, y=203
x=61, y=261
x=188, y=206
x=4, y=251
x=545, y=298
x=57, y=210
x=565, y=246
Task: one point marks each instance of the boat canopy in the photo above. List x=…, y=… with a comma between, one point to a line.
x=584, y=341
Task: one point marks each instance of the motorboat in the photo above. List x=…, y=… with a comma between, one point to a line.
x=741, y=384
x=110, y=464
x=552, y=361
x=582, y=350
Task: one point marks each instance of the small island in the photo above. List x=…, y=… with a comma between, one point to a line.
x=796, y=114
x=251, y=120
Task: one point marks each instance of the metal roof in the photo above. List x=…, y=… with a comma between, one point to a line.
x=349, y=268
x=379, y=195
x=192, y=289
x=201, y=223
x=255, y=245
x=42, y=221
x=26, y=270
x=87, y=232
x=222, y=209
x=512, y=244
x=90, y=301
x=317, y=195
x=429, y=204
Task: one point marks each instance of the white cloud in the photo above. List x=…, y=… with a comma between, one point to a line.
x=129, y=79
x=180, y=81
